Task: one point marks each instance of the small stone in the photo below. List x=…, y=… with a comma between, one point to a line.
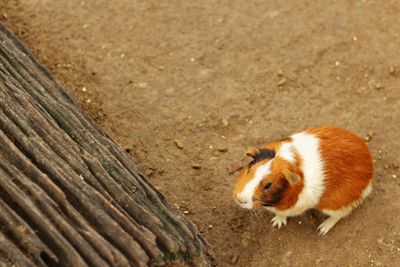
x=279, y=73
x=88, y=101
x=185, y=212
x=196, y=166
x=372, y=84
x=369, y=136
x=210, y=226
x=84, y=89
x=223, y=137
x=223, y=149
x=386, y=166
x=337, y=63
x=394, y=176
x=178, y=144
x=142, y=84
x=379, y=86
x=234, y=166
x=225, y=122
x=170, y=91
x=392, y=70
x=355, y=38
x=282, y=82
x=150, y=172
x=234, y=259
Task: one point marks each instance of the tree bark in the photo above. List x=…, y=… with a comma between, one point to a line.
x=69, y=195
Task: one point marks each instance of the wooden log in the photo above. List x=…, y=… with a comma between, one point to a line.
x=69, y=195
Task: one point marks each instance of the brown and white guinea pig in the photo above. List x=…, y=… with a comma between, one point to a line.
x=327, y=168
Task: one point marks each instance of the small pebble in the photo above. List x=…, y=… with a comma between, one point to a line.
x=378, y=86
x=88, y=101
x=394, y=176
x=170, y=91
x=234, y=259
x=178, y=144
x=84, y=89
x=234, y=166
x=279, y=73
x=372, y=84
x=225, y=122
x=337, y=63
x=150, y=172
x=282, y=82
x=223, y=149
x=369, y=136
x=185, y=212
x=392, y=70
x=142, y=84
x=196, y=166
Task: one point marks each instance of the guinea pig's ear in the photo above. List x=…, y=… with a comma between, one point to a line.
x=292, y=177
x=251, y=152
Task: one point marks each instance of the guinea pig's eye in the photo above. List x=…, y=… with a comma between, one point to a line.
x=267, y=186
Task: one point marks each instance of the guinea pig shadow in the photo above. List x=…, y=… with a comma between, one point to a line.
x=313, y=217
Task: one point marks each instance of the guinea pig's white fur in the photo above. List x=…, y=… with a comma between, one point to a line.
x=318, y=169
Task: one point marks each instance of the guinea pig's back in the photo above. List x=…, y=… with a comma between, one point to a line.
x=347, y=167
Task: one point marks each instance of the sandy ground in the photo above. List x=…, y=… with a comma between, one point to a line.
x=214, y=77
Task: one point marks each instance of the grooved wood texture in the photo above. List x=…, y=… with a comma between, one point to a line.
x=69, y=195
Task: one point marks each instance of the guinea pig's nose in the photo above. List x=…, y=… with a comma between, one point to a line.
x=241, y=200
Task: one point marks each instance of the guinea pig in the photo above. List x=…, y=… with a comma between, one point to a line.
x=327, y=168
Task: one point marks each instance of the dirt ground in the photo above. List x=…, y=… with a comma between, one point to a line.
x=214, y=77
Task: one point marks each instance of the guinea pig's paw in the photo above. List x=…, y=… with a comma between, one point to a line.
x=279, y=221
x=327, y=225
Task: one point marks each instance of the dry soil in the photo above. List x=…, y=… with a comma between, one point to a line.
x=186, y=86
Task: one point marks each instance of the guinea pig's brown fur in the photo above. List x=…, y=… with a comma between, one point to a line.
x=342, y=186
x=326, y=168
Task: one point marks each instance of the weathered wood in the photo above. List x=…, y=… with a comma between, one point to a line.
x=69, y=195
